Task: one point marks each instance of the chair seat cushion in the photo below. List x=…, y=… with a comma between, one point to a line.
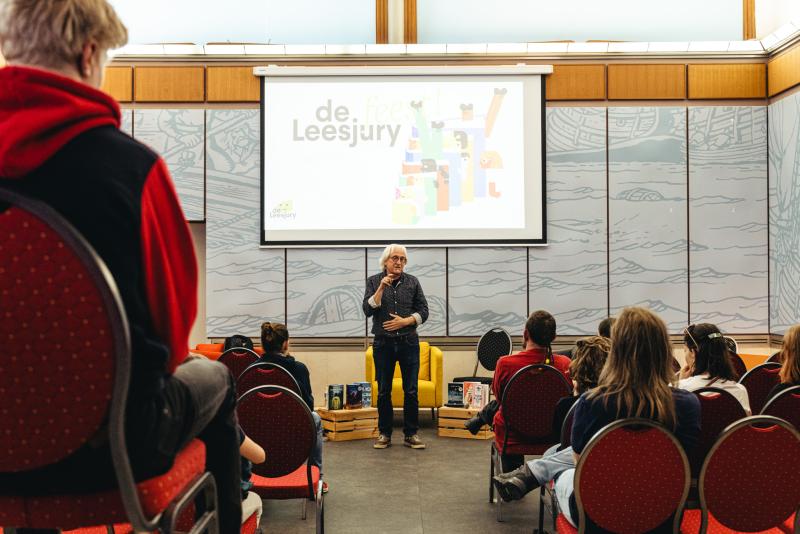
x=291, y=486
x=426, y=393
x=563, y=526
x=74, y=511
x=533, y=449
x=692, y=518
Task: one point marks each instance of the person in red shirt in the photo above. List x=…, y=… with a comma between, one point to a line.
x=60, y=144
x=540, y=331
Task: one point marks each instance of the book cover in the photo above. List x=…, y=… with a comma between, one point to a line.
x=336, y=396
x=354, y=392
x=366, y=395
x=484, y=400
x=477, y=396
x=469, y=393
x=455, y=394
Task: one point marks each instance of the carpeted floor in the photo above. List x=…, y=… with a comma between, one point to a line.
x=442, y=489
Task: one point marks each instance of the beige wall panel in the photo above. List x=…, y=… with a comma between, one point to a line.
x=232, y=84
x=783, y=71
x=646, y=82
x=169, y=84
x=709, y=81
x=577, y=82
x=118, y=82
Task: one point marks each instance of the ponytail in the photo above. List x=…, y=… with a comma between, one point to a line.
x=273, y=336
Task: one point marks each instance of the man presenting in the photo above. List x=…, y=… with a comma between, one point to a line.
x=397, y=305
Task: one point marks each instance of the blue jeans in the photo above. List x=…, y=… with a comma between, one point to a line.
x=316, y=452
x=386, y=352
x=559, y=464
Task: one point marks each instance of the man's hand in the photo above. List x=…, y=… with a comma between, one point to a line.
x=397, y=322
x=386, y=281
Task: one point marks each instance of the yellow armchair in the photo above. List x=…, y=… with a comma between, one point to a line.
x=430, y=378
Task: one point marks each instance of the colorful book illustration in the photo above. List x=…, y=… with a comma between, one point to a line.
x=366, y=395
x=455, y=394
x=336, y=396
x=354, y=399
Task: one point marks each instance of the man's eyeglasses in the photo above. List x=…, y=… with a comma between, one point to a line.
x=398, y=259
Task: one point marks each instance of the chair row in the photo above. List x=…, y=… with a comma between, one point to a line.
x=633, y=476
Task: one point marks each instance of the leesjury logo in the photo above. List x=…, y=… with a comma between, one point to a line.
x=335, y=124
x=283, y=210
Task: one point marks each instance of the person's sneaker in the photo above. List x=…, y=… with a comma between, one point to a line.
x=414, y=442
x=474, y=425
x=382, y=442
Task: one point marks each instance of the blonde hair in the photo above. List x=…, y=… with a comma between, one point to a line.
x=588, y=360
x=52, y=33
x=790, y=356
x=638, y=372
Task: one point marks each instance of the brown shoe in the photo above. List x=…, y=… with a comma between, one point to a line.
x=414, y=442
x=382, y=442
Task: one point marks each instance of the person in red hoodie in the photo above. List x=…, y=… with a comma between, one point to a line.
x=60, y=143
x=540, y=331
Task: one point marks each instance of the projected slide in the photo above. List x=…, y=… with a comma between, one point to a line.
x=407, y=159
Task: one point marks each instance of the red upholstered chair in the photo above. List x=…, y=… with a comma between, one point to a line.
x=759, y=381
x=785, y=405
x=528, y=404
x=718, y=409
x=632, y=477
x=53, y=284
x=265, y=374
x=238, y=359
x=750, y=481
x=279, y=420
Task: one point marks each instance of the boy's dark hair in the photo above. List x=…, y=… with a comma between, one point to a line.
x=541, y=328
x=604, y=328
x=273, y=336
x=236, y=341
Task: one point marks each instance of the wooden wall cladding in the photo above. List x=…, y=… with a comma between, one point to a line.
x=118, y=82
x=232, y=84
x=381, y=21
x=646, y=82
x=727, y=81
x=169, y=84
x=576, y=82
x=783, y=71
x=410, y=21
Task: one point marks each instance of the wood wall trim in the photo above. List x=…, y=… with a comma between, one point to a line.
x=118, y=82
x=232, y=84
x=381, y=21
x=647, y=82
x=576, y=82
x=709, y=81
x=783, y=71
x=410, y=21
x=169, y=84
x=748, y=19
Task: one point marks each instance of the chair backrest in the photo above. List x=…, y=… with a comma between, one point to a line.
x=279, y=421
x=718, y=409
x=750, y=481
x=739, y=367
x=64, y=329
x=785, y=405
x=566, y=428
x=238, y=359
x=529, y=401
x=265, y=374
x=632, y=477
x=759, y=381
x=492, y=346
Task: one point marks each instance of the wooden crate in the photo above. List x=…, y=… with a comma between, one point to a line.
x=451, y=424
x=344, y=425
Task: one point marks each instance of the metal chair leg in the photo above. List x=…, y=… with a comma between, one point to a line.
x=491, y=475
x=305, y=502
